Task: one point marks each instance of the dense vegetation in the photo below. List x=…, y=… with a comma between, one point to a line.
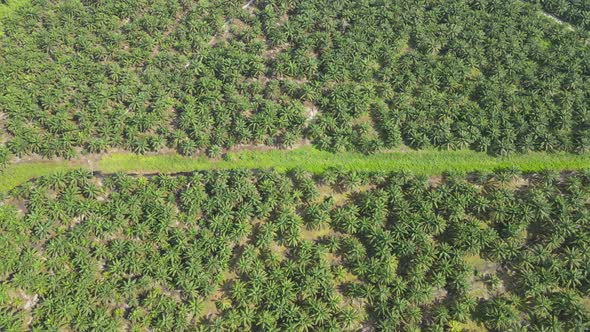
x=575, y=12
x=348, y=75
x=256, y=250
x=315, y=248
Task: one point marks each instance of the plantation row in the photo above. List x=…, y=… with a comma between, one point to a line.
x=256, y=250
x=348, y=75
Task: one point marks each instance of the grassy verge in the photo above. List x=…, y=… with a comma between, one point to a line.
x=310, y=159
x=15, y=175
x=426, y=162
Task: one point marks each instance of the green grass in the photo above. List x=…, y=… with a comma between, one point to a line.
x=15, y=175
x=10, y=7
x=427, y=162
x=313, y=160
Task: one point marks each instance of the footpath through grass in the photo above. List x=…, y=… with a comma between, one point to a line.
x=427, y=162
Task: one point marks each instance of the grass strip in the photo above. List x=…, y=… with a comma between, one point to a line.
x=14, y=175
x=420, y=162
x=427, y=162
